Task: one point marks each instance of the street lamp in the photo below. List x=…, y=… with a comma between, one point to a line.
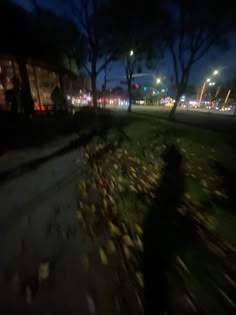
x=131, y=53
x=208, y=80
x=158, y=81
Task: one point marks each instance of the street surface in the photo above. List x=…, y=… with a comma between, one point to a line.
x=214, y=120
x=48, y=265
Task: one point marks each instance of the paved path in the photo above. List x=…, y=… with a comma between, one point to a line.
x=38, y=227
x=14, y=159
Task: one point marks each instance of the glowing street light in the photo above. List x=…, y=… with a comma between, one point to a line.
x=131, y=53
x=208, y=80
x=158, y=81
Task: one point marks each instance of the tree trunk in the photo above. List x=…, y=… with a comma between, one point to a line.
x=104, y=86
x=94, y=83
x=94, y=91
x=27, y=99
x=173, y=109
x=62, y=87
x=130, y=95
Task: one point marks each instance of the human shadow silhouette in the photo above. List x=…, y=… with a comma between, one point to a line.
x=165, y=231
x=228, y=182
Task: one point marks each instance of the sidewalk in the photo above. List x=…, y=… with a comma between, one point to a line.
x=48, y=263
x=14, y=160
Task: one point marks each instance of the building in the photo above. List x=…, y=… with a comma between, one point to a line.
x=35, y=50
x=42, y=78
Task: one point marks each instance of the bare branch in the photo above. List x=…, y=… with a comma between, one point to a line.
x=104, y=64
x=204, y=50
x=87, y=69
x=174, y=58
x=181, y=39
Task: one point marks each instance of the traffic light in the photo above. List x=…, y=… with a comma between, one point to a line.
x=145, y=88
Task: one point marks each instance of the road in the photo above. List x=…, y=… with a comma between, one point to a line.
x=197, y=117
x=39, y=231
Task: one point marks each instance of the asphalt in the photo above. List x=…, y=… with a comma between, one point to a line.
x=39, y=234
x=211, y=120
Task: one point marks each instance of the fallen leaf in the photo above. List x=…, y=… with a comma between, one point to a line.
x=127, y=252
x=111, y=249
x=103, y=256
x=139, y=187
x=104, y=191
x=105, y=203
x=138, y=229
x=132, y=169
x=43, y=272
x=139, y=244
x=91, y=304
x=218, y=193
x=82, y=185
x=85, y=262
x=132, y=188
x=79, y=216
x=28, y=295
x=114, y=229
x=127, y=240
x=190, y=303
x=112, y=186
x=111, y=199
x=140, y=279
x=93, y=208
x=204, y=183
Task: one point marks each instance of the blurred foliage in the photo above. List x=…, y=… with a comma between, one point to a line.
x=125, y=169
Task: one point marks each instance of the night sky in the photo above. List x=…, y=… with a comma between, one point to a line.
x=213, y=60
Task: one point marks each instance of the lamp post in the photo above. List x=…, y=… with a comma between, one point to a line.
x=208, y=80
x=227, y=96
x=202, y=91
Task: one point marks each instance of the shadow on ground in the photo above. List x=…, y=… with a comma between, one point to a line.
x=227, y=184
x=165, y=232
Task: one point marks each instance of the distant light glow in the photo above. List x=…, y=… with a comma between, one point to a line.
x=131, y=53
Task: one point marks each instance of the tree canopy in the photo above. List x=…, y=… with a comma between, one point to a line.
x=38, y=34
x=194, y=27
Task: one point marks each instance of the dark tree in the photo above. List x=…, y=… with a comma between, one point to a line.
x=136, y=41
x=95, y=36
x=194, y=27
